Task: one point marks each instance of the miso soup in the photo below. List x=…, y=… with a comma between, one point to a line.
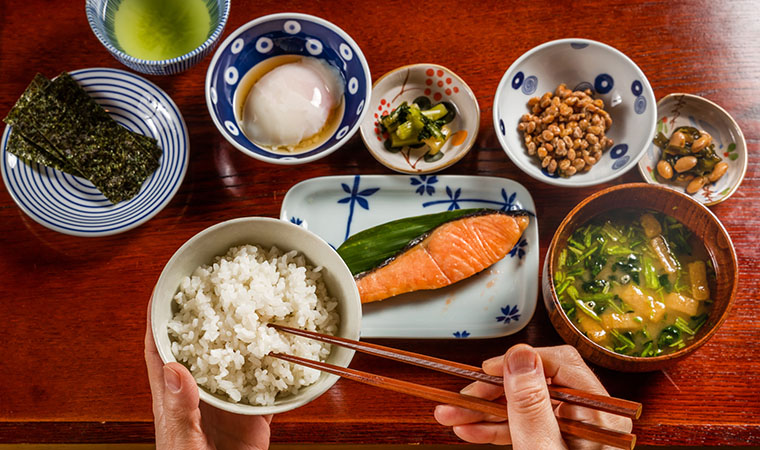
x=636, y=282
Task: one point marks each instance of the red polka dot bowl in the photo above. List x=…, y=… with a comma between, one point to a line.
x=438, y=85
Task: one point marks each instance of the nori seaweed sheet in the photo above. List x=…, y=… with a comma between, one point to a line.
x=15, y=116
x=83, y=139
x=21, y=146
x=90, y=108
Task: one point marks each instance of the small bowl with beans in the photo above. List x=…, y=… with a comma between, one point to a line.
x=574, y=112
x=698, y=149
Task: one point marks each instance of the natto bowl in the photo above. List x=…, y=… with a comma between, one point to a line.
x=216, y=241
x=580, y=64
x=692, y=214
x=101, y=13
x=287, y=34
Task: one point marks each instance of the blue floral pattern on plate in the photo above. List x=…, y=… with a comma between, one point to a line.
x=519, y=249
x=334, y=207
x=425, y=183
x=508, y=315
x=356, y=196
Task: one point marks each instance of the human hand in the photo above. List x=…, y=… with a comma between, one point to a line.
x=532, y=415
x=184, y=423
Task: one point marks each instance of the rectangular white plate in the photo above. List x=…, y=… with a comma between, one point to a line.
x=496, y=302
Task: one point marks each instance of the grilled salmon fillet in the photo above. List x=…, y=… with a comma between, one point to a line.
x=449, y=253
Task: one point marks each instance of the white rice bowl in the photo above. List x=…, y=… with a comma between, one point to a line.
x=219, y=328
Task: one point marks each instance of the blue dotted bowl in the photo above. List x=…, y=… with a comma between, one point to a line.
x=287, y=34
x=100, y=15
x=580, y=64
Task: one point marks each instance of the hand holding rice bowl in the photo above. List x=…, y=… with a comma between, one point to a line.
x=212, y=318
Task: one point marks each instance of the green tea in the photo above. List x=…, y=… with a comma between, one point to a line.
x=161, y=29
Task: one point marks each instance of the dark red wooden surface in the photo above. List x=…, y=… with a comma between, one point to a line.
x=72, y=310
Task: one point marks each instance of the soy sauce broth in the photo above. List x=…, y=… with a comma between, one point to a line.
x=636, y=282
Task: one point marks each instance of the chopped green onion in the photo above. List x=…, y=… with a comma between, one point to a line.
x=650, y=273
x=589, y=253
x=684, y=326
x=585, y=308
x=623, y=339
x=565, y=284
x=576, y=244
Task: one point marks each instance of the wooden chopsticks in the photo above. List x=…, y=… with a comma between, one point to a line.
x=612, y=405
x=568, y=427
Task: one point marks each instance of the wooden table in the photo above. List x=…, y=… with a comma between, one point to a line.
x=73, y=309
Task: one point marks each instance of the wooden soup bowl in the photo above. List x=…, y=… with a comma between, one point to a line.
x=696, y=217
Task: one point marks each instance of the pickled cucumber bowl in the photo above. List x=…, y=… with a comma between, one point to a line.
x=429, y=86
x=687, y=110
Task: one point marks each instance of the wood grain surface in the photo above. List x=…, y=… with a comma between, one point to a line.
x=73, y=309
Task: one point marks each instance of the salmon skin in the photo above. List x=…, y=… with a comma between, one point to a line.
x=449, y=253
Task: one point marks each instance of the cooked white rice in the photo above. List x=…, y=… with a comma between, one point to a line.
x=219, y=331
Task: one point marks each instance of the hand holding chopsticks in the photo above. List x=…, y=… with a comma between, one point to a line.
x=567, y=427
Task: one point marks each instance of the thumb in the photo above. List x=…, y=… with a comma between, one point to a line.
x=180, y=400
x=532, y=424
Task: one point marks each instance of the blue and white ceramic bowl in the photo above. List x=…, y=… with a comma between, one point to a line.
x=287, y=34
x=100, y=15
x=580, y=64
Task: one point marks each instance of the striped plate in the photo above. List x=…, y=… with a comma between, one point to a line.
x=72, y=205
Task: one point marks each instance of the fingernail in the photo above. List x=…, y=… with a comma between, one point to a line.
x=172, y=380
x=494, y=360
x=466, y=390
x=522, y=360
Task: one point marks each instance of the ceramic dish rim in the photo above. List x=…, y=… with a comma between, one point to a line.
x=568, y=182
x=449, y=163
x=740, y=144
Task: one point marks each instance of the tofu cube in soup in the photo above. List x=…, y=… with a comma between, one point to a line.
x=644, y=305
x=622, y=322
x=698, y=278
x=681, y=303
x=593, y=329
